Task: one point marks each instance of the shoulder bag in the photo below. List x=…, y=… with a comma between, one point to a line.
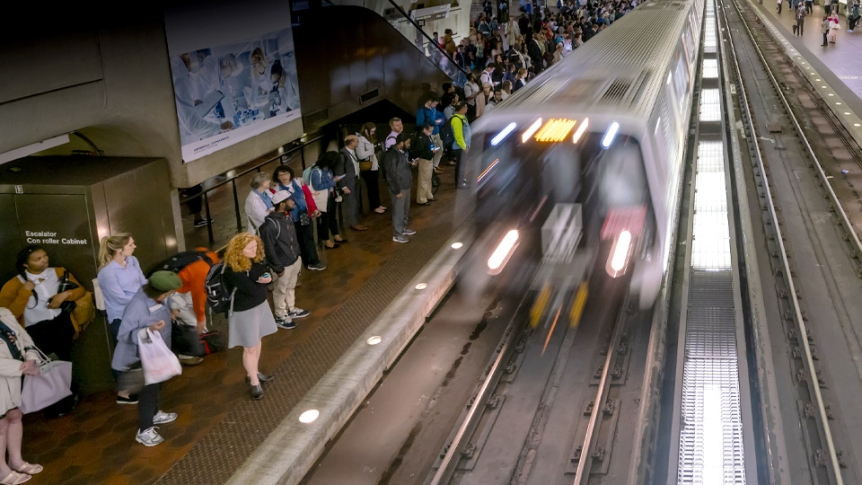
x=52, y=385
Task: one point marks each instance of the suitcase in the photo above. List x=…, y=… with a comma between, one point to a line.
x=795, y=27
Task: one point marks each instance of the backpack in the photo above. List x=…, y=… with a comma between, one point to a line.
x=219, y=297
x=446, y=133
x=306, y=174
x=177, y=262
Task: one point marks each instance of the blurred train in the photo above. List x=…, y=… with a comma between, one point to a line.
x=581, y=169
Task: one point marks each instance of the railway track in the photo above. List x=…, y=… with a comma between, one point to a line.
x=808, y=232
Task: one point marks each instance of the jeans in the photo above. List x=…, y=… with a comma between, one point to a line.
x=459, y=177
x=400, y=212
x=148, y=406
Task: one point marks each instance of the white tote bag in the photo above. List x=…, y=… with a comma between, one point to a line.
x=53, y=384
x=159, y=363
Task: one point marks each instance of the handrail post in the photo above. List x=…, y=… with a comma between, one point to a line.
x=209, y=219
x=236, y=207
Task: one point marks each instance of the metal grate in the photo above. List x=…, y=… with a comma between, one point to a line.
x=616, y=91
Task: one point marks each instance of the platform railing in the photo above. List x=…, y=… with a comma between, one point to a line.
x=281, y=159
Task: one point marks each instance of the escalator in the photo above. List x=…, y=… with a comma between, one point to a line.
x=349, y=57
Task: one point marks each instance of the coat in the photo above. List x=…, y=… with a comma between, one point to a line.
x=10, y=368
x=14, y=296
x=347, y=168
x=399, y=174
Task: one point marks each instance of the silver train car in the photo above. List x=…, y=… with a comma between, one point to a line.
x=587, y=159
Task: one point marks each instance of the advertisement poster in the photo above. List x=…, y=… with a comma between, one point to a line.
x=233, y=70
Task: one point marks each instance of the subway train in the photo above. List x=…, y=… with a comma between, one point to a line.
x=581, y=169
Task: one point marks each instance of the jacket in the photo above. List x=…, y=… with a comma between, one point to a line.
x=194, y=277
x=461, y=130
x=256, y=210
x=321, y=187
x=10, y=368
x=14, y=296
x=366, y=151
x=430, y=116
x=249, y=293
x=302, y=197
x=140, y=313
x=347, y=168
x=279, y=241
x=399, y=175
x=423, y=147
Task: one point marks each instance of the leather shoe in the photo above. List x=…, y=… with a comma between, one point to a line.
x=334, y=246
x=359, y=228
x=256, y=392
x=261, y=377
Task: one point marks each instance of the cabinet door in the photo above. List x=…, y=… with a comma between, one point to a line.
x=60, y=224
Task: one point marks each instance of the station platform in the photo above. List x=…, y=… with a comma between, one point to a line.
x=219, y=426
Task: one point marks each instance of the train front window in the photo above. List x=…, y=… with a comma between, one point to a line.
x=517, y=180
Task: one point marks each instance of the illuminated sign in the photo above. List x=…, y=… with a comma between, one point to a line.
x=556, y=129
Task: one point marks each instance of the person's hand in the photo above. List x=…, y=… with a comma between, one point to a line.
x=157, y=326
x=316, y=214
x=175, y=313
x=58, y=300
x=30, y=285
x=267, y=280
x=201, y=327
x=399, y=195
x=227, y=125
x=29, y=368
x=345, y=190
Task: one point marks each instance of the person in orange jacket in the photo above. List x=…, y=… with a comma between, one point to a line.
x=194, y=278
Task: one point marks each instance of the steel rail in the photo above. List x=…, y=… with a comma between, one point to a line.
x=835, y=470
x=471, y=420
x=583, y=471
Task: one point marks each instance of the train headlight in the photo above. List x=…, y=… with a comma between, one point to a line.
x=619, y=257
x=504, y=251
x=610, y=134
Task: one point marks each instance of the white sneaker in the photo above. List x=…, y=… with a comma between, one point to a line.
x=149, y=437
x=400, y=239
x=163, y=417
x=409, y=232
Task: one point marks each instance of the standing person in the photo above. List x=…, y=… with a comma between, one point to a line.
x=323, y=190
x=257, y=204
x=853, y=17
x=18, y=358
x=367, y=153
x=148, y=309
x=461, y=145
x=824, y=29
x=780, y=2
x=283, y=255
x=396, y=127
x=120, y=277
x=801, y=12
x=471, y=92
x=304, y=210
x=250, y=318
x=424, y=151
x=428, y=114
x=827, y=7
x=196, y=204
x=348, y=168
x=399, y=176
x=834, y=26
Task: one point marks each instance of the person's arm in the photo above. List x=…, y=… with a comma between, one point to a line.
x=269, y=234
x=458, y=131
x=255, y=209
x=365, y=149
x=241, y=282
x=14, y=296
x=389, y=161
x=420, y=118
x=110, y=285
x=197, y=274
x=309, y=199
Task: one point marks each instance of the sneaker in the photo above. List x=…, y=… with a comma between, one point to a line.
x=190, y=361
x=400, y=239
x=285, y=323
x=203, y=222
x=149, y=437
x=317, y=267
x=162, y=417
x=132, y=399
x=409, y=232
x=298, y=313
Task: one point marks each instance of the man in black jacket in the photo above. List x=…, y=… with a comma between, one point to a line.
x=281, y=248
x=399, y=177
x=424, y=151
x=348, y=168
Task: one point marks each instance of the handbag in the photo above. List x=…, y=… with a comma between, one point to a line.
x=186, y=341
x=159, y=363
x=304, y=218
x=365, y=165
x=52, y=385
x=212, y=342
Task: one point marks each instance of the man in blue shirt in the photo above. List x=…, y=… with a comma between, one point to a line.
x=428, y=114
x=147, y=310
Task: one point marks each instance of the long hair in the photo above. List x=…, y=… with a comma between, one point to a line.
x=366, y=132
x=24, y=256
x=233, y=256
x=109, y=246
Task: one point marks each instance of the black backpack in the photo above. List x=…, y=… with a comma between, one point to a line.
x=219, y=296
x=446, y=134
x=177, y=262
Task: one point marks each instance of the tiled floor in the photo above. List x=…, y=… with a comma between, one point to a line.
x=96, y=443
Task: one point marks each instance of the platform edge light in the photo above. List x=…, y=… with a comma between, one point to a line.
x=504, y=251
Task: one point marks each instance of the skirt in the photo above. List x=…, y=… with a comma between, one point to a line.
x=247, y=327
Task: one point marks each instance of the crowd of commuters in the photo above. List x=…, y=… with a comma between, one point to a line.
x=831, y=22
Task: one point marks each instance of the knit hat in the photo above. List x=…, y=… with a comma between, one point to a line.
x=402, y=137
x=165, y=281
